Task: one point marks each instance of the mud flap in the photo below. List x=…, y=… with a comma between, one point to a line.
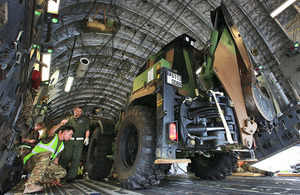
x=284, y=136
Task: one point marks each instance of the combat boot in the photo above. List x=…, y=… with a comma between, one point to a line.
x=270, y=174
x=70, y=180
x=31, y=188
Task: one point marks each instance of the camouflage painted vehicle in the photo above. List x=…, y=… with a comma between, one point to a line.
x=197, y=107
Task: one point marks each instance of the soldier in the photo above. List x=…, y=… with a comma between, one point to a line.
x=80, y=172
x=244, y=167
x=42, y=162
x=73, y=148
x=25, y=118
x=31, y=140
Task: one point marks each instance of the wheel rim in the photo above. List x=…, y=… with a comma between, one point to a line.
x=207, y=160
x=129, y=147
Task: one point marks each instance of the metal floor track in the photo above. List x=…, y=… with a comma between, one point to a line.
x=178, y=185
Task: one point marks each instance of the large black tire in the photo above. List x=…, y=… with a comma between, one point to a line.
x=98, y=165
x=135, y=150
x=166, y=168
x=216, y=166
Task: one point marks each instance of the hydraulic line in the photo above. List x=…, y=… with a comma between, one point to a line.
x=228, y=134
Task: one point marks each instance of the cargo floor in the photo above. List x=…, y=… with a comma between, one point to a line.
x=179, y=184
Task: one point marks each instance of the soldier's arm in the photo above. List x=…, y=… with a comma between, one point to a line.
x=87, y=133
x=52, y=131
x=57, y=158
x=28, y=140
x=56, y=161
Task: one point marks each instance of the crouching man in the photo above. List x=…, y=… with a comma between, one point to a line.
x=42, y=162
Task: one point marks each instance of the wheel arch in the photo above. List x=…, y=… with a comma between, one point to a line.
x=148, y=100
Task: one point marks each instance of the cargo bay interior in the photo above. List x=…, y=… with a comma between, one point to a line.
x=115, y=58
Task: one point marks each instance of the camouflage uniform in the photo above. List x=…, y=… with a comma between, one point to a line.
x=24, y=120
x=39, y=162
x=24, y=151
x=244, y=167
x=43, y=169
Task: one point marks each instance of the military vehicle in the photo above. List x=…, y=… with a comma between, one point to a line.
x=202, y=107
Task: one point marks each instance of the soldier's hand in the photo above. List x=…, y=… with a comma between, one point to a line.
x=56, y=161
x=32, y=141
x=56, y=182
x=86, y=141
x=63, y=122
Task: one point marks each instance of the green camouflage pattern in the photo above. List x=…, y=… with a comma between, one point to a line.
x=27, y=147
x=24, y=121
x=247, y=168
x=43, y=169
x=24, y=150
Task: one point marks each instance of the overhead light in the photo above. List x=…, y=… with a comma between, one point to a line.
x=295, y=47
x=52, y=11
x=46, y=60
x=82, y=67
x=47, y=47
x=37, y=13
x=69, y=83
x=31, y=52
x=54, y=20
x=282, y=7
x=53, y=6
x=54, y=77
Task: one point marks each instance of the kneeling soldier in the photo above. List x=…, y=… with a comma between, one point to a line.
x=42, y=162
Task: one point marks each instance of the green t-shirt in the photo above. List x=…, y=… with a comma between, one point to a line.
x=80, y=125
